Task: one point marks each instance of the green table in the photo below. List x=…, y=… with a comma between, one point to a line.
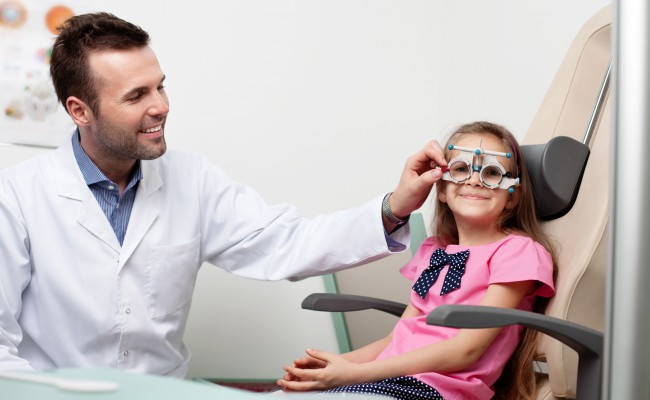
x=131, y=386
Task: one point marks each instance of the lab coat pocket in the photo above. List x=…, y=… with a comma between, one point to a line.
x=172, y=276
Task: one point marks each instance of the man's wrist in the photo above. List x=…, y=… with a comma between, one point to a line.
x=387, y=212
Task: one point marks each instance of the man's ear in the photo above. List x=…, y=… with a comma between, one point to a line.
x=81, y=114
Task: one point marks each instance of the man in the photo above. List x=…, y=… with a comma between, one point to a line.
x=102, y=239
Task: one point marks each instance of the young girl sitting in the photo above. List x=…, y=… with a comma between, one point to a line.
x=489, y=250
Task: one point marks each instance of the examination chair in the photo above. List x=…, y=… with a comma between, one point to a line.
x=567, y=150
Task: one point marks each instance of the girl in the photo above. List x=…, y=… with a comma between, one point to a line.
x=488, y=249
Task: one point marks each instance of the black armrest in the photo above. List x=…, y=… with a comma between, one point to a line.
x=586, y=341
x=348, y=302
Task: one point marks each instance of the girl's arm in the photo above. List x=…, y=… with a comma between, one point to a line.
x=456, y=353
x=362, y=355
x=370, y=352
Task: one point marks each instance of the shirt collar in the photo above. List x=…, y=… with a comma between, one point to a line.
x=89, y=170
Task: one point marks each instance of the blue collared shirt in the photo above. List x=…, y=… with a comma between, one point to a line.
x=117, y=209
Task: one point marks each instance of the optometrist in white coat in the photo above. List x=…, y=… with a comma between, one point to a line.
x=101, y=240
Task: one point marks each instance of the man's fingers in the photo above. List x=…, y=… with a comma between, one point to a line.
x=430, y=177
x=430, y=157
x=434, y=155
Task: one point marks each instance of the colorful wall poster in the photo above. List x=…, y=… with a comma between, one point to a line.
x=30, y=113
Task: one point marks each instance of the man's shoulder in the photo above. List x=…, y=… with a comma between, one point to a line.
x=175, y=158
x=181, y=165
x=23, y=179
x=179, y=155
x=29, y=166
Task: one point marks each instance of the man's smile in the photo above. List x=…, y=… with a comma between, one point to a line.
x=153, y=132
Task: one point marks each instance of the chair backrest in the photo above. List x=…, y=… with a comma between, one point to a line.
x=580, y=234
x=418, y=231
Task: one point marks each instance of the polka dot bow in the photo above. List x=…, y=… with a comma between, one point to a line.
x=439, y=259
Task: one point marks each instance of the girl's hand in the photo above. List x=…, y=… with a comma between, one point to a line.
x=334, y=371
x=306, y=362
x=309, y=362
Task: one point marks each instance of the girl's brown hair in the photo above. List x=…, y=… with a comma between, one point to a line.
x=518, y=379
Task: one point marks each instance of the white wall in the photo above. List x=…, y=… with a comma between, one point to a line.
x=318, y=103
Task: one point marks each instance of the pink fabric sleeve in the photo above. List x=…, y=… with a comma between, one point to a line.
x=523, y=259
x=420, y=259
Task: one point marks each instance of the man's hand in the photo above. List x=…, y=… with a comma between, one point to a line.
x=419, y=175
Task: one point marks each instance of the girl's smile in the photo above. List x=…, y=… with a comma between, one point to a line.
x=473, y=196
x=477, y=209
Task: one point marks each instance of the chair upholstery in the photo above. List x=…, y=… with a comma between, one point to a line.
x=581, y=234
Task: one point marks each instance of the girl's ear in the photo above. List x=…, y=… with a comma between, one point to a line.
x=440, y=189
x=513, y=199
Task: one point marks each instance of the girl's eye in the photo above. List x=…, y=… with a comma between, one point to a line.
x=459, y=167
x=491, y=175
x=459, y=170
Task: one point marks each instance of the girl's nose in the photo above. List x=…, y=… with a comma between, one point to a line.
x=474, y=179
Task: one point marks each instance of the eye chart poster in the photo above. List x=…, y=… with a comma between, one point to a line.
x=29, y=111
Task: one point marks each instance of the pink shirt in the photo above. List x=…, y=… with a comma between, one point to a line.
x=511, y=259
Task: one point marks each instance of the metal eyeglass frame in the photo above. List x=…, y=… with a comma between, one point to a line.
x=489, y=160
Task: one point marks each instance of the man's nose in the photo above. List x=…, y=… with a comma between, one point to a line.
x=160, y=105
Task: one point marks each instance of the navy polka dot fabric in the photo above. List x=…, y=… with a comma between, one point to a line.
x=438, y=260
x=402, y=388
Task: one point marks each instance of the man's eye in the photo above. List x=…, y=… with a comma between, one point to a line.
x=135, y=97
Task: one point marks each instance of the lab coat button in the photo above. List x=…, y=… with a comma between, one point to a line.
x=126, y=353
x=128, y=311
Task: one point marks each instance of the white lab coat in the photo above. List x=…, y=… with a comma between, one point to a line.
x=70, y=296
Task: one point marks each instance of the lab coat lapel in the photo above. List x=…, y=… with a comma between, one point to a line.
x=94, y=220
x=70, y=184
x=145, y=209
